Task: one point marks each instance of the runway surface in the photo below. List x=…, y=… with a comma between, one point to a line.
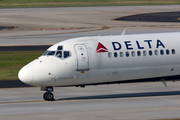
x=46, y=26
x=116, y=102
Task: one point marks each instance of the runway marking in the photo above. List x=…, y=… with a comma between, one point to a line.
x=98, y=28
x=54, y=29
x=87, y=29
x=38, y=101
x=95, y=29
x=23, y=102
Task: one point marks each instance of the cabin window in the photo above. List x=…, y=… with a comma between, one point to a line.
x=109, y=55
x=133, y=53
x=162, y=52
x=150, y=52
x=60, y=48
x=138, y=53
x=59, y=54
x=167, y=52
x=115, y=54
x=127, y=54
x=156, y=52
x=144, y=53
x=121, y=54
x=173, y=51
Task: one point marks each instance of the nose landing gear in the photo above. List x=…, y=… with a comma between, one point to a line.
x=48, y=96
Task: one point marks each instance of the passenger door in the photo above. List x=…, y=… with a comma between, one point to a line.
x=82, y=57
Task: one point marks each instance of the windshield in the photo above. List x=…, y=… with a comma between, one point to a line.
x=49, y=53
x=60, y=53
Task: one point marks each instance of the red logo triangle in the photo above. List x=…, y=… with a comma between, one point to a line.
x=101, y=48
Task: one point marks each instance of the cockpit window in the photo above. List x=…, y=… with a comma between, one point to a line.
x=60, y=48
x=59, y=54
x=66, y=54
x=45, y=53
x=49, y=53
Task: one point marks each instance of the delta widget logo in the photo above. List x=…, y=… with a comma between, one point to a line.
x=101, y=48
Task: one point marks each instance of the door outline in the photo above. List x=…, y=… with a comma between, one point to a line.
x=82, y=57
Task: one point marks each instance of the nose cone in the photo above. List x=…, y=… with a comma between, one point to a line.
x=25, y=74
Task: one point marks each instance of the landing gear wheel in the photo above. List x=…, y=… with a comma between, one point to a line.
x=48, y=96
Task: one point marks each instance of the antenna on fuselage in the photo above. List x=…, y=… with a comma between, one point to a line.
x=164, y=82
x=124, y=32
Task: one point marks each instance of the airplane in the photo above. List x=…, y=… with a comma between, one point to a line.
x=97, y=60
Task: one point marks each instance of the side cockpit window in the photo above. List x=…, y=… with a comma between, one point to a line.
x=66, y=54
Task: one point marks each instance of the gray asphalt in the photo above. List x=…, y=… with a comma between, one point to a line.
x=118, y=102
x=45, y=26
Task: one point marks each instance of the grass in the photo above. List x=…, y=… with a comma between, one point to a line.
x=73, y=3
x=12, y=62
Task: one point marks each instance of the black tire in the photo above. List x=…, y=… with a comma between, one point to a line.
x=44, y=96
x=48, y=96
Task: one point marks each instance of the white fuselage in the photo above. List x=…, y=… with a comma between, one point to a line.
x=106, y=59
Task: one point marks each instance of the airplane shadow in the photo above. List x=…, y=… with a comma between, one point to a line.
x=128, y=95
